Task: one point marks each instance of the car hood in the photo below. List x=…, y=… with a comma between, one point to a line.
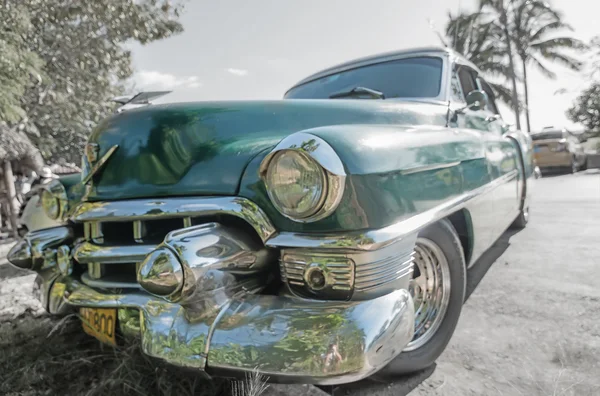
x=203, y=148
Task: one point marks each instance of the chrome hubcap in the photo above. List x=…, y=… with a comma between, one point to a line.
x=430, y=290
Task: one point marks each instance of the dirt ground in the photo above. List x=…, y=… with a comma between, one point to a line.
x=530, y=327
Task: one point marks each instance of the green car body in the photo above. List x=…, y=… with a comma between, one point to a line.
x=404, y=163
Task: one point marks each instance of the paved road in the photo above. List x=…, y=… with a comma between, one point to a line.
x=532, y=324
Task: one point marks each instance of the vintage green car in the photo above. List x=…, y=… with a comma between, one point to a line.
x=315, y=239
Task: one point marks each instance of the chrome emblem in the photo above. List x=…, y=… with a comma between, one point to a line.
x=100, y=162
x=91, y=152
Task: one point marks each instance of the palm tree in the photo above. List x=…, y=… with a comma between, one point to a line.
x=532, y=22
x=480, y=41
x=499, y=11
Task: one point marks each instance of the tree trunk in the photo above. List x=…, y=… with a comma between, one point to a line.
x=11, y=194
x=511, y=64
x=526, y=92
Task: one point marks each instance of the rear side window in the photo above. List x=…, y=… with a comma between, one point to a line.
x=467, y=81
x=419, y=77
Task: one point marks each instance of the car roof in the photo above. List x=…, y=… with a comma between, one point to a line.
x=386, y=57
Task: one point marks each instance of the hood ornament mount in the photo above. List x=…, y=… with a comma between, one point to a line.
x=97, y=167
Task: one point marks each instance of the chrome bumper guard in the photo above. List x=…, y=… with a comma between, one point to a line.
x=297, y=341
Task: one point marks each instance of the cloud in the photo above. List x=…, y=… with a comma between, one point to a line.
x=157, y=80
x=237, y=72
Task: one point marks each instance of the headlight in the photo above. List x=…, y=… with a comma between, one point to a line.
x=304, y=177
x=50, y=204
x=54, y=200
x=296, y=184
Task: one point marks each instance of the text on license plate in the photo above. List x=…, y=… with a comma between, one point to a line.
x=100, y=323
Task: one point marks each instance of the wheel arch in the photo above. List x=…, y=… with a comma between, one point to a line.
x=463, y=225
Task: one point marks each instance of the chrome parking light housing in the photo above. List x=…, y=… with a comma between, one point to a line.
x=54, y=200
x=311, y=148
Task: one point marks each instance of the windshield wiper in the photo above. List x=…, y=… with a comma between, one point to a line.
x=358, y=91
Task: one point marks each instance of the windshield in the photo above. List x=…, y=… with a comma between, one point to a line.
x=405, y=78
x=547, y=135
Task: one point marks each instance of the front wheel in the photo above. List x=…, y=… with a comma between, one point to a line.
x=438, y=291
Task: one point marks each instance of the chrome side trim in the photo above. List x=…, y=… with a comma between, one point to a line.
x=87, y=252
x=426, y=168
x=148, y=209
x=376, y=239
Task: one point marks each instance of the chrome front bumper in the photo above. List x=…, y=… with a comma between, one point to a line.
x=287, y=339
x=209, y=318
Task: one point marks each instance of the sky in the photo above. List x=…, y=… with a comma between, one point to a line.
x=239, y=49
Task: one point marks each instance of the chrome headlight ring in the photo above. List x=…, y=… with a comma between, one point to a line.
x=54, y=200
x=324, y=156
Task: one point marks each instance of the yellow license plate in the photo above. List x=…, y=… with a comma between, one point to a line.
x=100, y=323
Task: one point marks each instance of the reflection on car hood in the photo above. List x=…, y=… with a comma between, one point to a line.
x=203, y=148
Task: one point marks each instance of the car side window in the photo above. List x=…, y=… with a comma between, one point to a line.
x=491, y=104
x=467, y=80
x=456, y=93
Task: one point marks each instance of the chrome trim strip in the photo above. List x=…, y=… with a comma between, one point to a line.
x=100, y=164
x=87, y=252
x=149, y=209
x=376, y=239
x=431, y=167
x=313, y=146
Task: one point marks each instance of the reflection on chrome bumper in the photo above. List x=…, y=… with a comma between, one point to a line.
x=289, y=340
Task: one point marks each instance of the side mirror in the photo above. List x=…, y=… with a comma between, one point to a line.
x=476, y=100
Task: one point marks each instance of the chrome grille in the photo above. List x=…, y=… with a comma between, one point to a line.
x=119, y=234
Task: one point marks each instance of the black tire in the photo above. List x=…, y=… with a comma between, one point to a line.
x=584, y=166
x=574, y=168
x=445, y=237
x=521, y=221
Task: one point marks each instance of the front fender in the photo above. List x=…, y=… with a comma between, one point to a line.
x=393, y=172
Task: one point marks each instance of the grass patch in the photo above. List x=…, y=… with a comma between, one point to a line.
x=44, y=356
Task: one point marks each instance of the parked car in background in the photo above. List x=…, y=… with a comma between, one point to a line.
x=320, y=239
x=557, y=149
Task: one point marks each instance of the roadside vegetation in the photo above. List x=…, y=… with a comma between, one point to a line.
x=45, y=356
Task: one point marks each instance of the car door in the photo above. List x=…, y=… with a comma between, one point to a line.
x=496, y=209
x=481, y=208
x=504, y=162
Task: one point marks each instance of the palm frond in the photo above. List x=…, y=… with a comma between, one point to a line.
x=559, y=43
x=542, y=30
x=502, y=93
x=564, y=60
x=541, y=67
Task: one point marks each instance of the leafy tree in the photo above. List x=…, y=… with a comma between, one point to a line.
x=532, y=23
x=586, y=108
x=86, y=63
x=19, y=66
